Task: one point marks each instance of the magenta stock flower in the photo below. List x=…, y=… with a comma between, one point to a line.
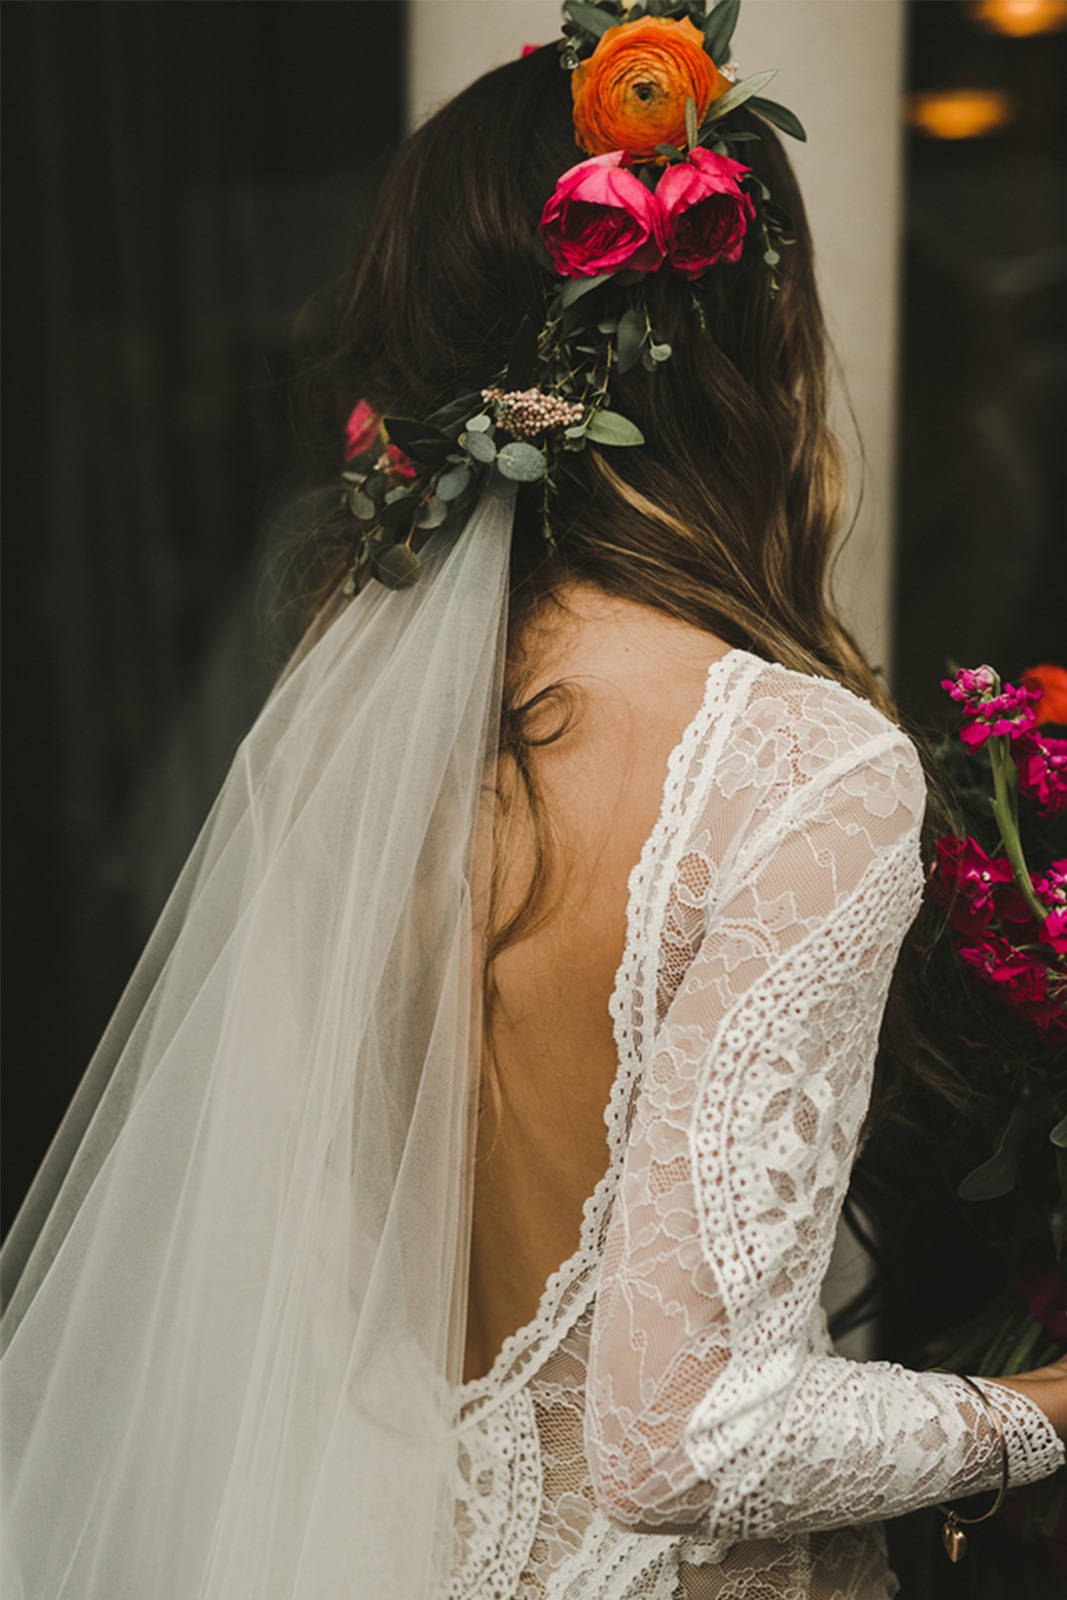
x=1011, y=712
x=966, y=880
x=1014, y=910
x=601, y=217
x=1051, y=890
x=990, y=708
x=1022, y=978
x=970, y=682
x=1041, y=762
x=706, y=214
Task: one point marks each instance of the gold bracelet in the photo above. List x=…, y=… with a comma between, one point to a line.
x=952, y=1535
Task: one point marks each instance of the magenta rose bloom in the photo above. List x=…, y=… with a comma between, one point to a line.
x=601, y=217
x=706, y=214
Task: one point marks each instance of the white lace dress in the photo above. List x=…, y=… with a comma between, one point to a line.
x=673, y=1423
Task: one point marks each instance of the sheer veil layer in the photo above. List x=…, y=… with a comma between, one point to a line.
x=235, y=1296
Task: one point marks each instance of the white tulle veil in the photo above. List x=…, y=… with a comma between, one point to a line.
x=235, y=1294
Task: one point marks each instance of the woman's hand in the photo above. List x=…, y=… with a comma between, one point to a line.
x=1047, y=1387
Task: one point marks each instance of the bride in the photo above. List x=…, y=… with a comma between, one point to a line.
x=446, y=1207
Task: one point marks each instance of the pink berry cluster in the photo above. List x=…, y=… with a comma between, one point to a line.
x=525, y=413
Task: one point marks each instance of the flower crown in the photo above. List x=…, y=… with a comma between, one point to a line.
x=652, y=86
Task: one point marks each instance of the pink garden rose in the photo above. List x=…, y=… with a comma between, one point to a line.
x=394, y=461
x=362, y=429
x=706, y=214
x=601, y=217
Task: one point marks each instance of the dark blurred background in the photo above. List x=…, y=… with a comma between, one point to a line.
x=180, y=180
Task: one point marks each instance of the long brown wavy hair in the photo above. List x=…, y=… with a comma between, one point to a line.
x=727, y=518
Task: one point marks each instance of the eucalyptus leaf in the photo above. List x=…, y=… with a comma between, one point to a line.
x=591, y=18
x=739, y=94
x=451, y=484
x=630, y=338
x=719, y=29
x=361, y=505
x=660, y=352
x=780, y=115
x=398, y=567
x=575, y=288
x=996, y=1176
x=1059, y=1134
x=523, y=462
x=432, y=514
x=479, y=446
x=479, y=424
x=608, y=427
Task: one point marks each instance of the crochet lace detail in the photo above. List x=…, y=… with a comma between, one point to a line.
x=695, y=1433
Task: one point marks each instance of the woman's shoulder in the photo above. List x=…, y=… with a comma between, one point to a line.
x=659, y=665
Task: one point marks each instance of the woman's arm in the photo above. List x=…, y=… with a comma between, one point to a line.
x=712, y=1404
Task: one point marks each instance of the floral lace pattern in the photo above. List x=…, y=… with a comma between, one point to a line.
x=695, y=1436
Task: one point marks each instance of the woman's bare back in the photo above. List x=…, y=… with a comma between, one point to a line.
x=640, y=677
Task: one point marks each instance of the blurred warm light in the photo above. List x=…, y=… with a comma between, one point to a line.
x=960, y=113
x=1021, y=17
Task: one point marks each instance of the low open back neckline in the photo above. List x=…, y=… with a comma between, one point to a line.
x=491, y=1385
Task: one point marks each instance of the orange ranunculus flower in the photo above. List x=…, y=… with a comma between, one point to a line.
x=630, y=95
x=1052, y=681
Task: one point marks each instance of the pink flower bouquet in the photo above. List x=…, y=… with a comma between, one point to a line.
x=1010, y=923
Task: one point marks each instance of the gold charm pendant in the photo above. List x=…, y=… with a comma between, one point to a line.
x=954, y=1540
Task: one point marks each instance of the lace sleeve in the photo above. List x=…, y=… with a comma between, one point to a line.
x=714, y=1406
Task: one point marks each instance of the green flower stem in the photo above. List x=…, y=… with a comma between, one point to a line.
x=1021, y=1354
x=1004, y=810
